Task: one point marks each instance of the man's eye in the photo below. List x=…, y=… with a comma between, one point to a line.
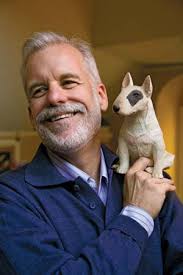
x=69, y=84
x=38, y=92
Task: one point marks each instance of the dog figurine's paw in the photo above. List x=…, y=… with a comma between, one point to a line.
x=149, y=170
x=155, y=174
x=119, y=169
x=115, y=166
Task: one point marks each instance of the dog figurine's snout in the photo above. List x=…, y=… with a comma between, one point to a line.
x=116, y=108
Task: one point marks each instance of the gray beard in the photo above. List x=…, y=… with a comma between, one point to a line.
x=87, y=128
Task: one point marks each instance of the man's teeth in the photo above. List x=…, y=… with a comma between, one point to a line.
x=61, y=117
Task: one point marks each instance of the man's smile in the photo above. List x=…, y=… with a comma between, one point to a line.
x=60, y=117
x=58, y=113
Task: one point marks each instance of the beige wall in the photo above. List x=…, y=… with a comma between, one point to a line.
x=180, y=154
x=18, y=19
x=168, y=104
x=139, y=38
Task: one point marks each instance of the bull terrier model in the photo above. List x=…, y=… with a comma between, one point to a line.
x=140, y=134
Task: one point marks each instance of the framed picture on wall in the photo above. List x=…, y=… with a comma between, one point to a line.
x=9, y=154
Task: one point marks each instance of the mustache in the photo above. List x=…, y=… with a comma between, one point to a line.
x=53, y=111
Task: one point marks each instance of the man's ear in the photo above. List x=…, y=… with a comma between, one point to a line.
x=31, y=118
x=102, y=94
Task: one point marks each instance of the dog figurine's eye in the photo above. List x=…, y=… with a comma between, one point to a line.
x=134, y=97
x=136, y=94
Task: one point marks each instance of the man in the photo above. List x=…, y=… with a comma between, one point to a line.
x=67, y=212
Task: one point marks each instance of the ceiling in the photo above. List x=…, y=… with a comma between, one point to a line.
x=143, y=31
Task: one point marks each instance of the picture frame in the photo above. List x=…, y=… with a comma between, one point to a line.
x=9, y=154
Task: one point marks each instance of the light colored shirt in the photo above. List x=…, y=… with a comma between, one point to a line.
x=71, y=172
x=140, y=216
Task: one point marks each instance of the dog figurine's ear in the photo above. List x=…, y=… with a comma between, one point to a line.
x=127, y=80
x=147, y=86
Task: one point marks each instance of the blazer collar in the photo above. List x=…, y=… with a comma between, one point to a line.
x=41, y=172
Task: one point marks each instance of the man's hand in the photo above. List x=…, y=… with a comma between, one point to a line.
x=144, y=191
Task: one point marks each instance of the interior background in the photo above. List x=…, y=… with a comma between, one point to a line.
x=143, y=37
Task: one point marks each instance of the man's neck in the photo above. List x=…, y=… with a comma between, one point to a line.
x=87, y=159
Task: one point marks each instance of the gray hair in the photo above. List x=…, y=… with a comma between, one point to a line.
x=41, y=40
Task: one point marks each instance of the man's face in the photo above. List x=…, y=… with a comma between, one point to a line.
x=64, y=106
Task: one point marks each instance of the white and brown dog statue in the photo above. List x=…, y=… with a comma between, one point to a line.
x=140, y=134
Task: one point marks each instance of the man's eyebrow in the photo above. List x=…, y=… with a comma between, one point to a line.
x=69, y=75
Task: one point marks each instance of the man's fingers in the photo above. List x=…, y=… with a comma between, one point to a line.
x=140, y=165
x=168, y=187
x=145, y=191
x=164, y=187
x=162, y=181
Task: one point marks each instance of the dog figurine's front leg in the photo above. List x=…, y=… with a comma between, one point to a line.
x=159, y=161
x=123, y=154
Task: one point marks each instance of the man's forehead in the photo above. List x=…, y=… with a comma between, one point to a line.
x=53, y=55
x=53, y=58
x=54, y=61
x=56, y=50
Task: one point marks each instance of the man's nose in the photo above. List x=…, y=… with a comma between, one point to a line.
x=56, y=94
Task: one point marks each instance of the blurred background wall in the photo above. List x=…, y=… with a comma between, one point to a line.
x=143, y=37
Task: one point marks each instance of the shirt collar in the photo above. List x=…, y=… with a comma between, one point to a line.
x=71, y=172
x=41, y=172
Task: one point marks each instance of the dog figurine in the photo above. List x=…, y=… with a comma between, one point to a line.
x=140, y=134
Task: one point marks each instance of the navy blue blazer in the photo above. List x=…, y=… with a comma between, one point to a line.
x=49, y=225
